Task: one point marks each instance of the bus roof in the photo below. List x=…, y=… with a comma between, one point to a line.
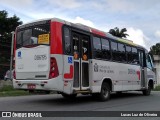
x=88, y=29
x=96, y=31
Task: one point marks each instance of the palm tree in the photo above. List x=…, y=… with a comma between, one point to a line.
x=119, y=33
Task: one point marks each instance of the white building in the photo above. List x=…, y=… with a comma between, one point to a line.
x=157, y=66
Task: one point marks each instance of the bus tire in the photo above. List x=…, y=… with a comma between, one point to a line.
x=147, y=92
x=104, y=95
x=72, y=96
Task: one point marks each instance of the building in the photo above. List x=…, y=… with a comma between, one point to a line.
x=157, y=66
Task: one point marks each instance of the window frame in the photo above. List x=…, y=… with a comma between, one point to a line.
x=92, y=56
x=110, y=57
x=31, y=26
x=125, y=60
x=137, y=56
x=129, y=62
x=112, y=51
x=93, y=47
x=149, y=58
x=63, y=38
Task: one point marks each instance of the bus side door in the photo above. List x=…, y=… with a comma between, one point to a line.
x=81, y=56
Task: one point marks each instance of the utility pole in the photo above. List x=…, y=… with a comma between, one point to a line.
x=11, y=59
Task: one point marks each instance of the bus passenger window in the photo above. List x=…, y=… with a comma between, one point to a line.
x=151, y=60
x=67, y=40
x=148, y=61
x=97, y=47
x=121, y=52
x=135, y=56
x=106, y=54
x=76, y=46
x=141, y=58
x=114, y=50
x=85, y=47
x=129, y=54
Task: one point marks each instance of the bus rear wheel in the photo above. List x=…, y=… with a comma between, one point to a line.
x=104, y=95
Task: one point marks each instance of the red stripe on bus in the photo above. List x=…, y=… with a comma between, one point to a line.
x=138, y=73
x=70, y=74
x=56, y=38
x=94, y=31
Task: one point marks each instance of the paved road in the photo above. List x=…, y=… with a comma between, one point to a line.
x=131, y=101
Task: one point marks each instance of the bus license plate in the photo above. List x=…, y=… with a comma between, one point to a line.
x=31, y=86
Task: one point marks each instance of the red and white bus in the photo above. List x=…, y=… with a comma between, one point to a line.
x=56, y=55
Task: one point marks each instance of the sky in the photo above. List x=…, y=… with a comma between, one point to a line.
x=140, y=17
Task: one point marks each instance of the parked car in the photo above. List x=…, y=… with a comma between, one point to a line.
x=7, y=75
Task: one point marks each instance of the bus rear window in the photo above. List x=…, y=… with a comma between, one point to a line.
x=33, y=35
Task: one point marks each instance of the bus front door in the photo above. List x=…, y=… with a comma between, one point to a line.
x=142, y=60
x=81, y=61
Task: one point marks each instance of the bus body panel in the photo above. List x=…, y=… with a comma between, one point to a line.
x=56, y=38
x=59, y=60
x=151, y=77
x=55, y=84
x=150, y=74
x=124, y=77
x=68, y=73
x=33, y=63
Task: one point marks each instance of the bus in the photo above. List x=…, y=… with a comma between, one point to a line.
x=57, y=55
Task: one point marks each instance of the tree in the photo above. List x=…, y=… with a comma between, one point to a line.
x=7, y=25
x=119, y=33
x=155, y=49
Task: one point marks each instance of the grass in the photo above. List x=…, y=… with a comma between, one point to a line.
x=157, y=88
x=8, y=90
x=13, y=93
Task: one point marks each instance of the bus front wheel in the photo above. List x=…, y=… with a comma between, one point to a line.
x=147, y=92
x=104, y=95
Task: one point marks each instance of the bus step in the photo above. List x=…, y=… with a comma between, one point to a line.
x=82, y=91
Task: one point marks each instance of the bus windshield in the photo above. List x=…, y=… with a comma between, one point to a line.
x=33, y=35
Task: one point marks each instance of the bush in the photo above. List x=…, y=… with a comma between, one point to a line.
x=157, y=88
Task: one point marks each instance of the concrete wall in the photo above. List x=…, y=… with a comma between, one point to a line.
x=3, y=83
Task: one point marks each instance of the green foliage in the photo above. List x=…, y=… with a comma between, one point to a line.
x=157, y=88
x=119, y=33
x=7, y=88
x=7, y=25
x=14, y=93
x=155, y=49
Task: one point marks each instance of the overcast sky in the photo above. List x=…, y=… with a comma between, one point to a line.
x=140, y=17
